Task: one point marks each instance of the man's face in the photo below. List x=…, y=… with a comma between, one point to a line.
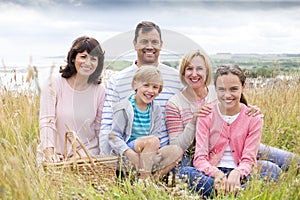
x=148, y=46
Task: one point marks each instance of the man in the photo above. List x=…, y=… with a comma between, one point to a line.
x=147, y=43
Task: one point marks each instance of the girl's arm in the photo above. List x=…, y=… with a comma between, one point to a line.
x=201, y=158
x=248, y=160
x=251, y=146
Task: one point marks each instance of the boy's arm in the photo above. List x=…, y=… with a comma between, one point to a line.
x=117, y=135
x=157, y=120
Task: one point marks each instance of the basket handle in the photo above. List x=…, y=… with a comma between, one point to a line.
x=72, y=137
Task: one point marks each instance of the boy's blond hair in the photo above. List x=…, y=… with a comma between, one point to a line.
x=147, y=74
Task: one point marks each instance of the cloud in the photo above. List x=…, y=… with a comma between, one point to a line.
x=205, y=4
x=47, y=28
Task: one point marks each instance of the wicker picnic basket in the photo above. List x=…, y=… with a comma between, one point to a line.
x=94, y=169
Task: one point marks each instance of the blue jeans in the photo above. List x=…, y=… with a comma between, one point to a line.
x=277, y=156
x=204, y=185
x=271, y=162
x=201, y=183
x=280, y=157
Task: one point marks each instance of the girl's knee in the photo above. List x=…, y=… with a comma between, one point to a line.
x=269, y=170
x=186, y=170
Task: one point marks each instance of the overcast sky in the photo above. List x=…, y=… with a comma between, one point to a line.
x=41, y=28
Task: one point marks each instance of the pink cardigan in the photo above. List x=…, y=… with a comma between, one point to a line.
x=213, y=134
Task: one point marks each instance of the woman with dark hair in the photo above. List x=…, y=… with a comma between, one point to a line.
x=73, y=101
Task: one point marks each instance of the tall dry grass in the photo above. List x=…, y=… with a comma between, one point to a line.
x=281, y=108
x=21, y=179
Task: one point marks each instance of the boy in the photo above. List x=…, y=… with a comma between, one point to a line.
x=137, y=122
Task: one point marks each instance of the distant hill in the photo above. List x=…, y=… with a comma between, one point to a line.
x=267, y=65
x=250, y=56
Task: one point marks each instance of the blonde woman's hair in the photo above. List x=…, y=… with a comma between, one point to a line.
x=186, y=61
x=148, y=74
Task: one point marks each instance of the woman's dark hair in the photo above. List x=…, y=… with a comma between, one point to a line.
x=235, y=70
x=93, y=48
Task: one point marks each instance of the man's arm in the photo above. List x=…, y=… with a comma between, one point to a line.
x=111, y=97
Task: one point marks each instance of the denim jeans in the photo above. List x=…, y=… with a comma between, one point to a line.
x=277, y=156
x=201, y=183
x=272, y=161
x=204, y=185
x=280, y=157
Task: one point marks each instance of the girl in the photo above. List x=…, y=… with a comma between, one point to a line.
x=183, y=109
x=227, y=140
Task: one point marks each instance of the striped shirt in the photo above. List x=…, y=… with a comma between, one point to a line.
x=141, y=121
x=119, y=87
x=179, y=113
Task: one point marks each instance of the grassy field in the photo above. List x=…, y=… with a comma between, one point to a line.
x=19, y=136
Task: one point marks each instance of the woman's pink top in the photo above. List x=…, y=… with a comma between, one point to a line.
x=213, y=134
x=63, y=108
